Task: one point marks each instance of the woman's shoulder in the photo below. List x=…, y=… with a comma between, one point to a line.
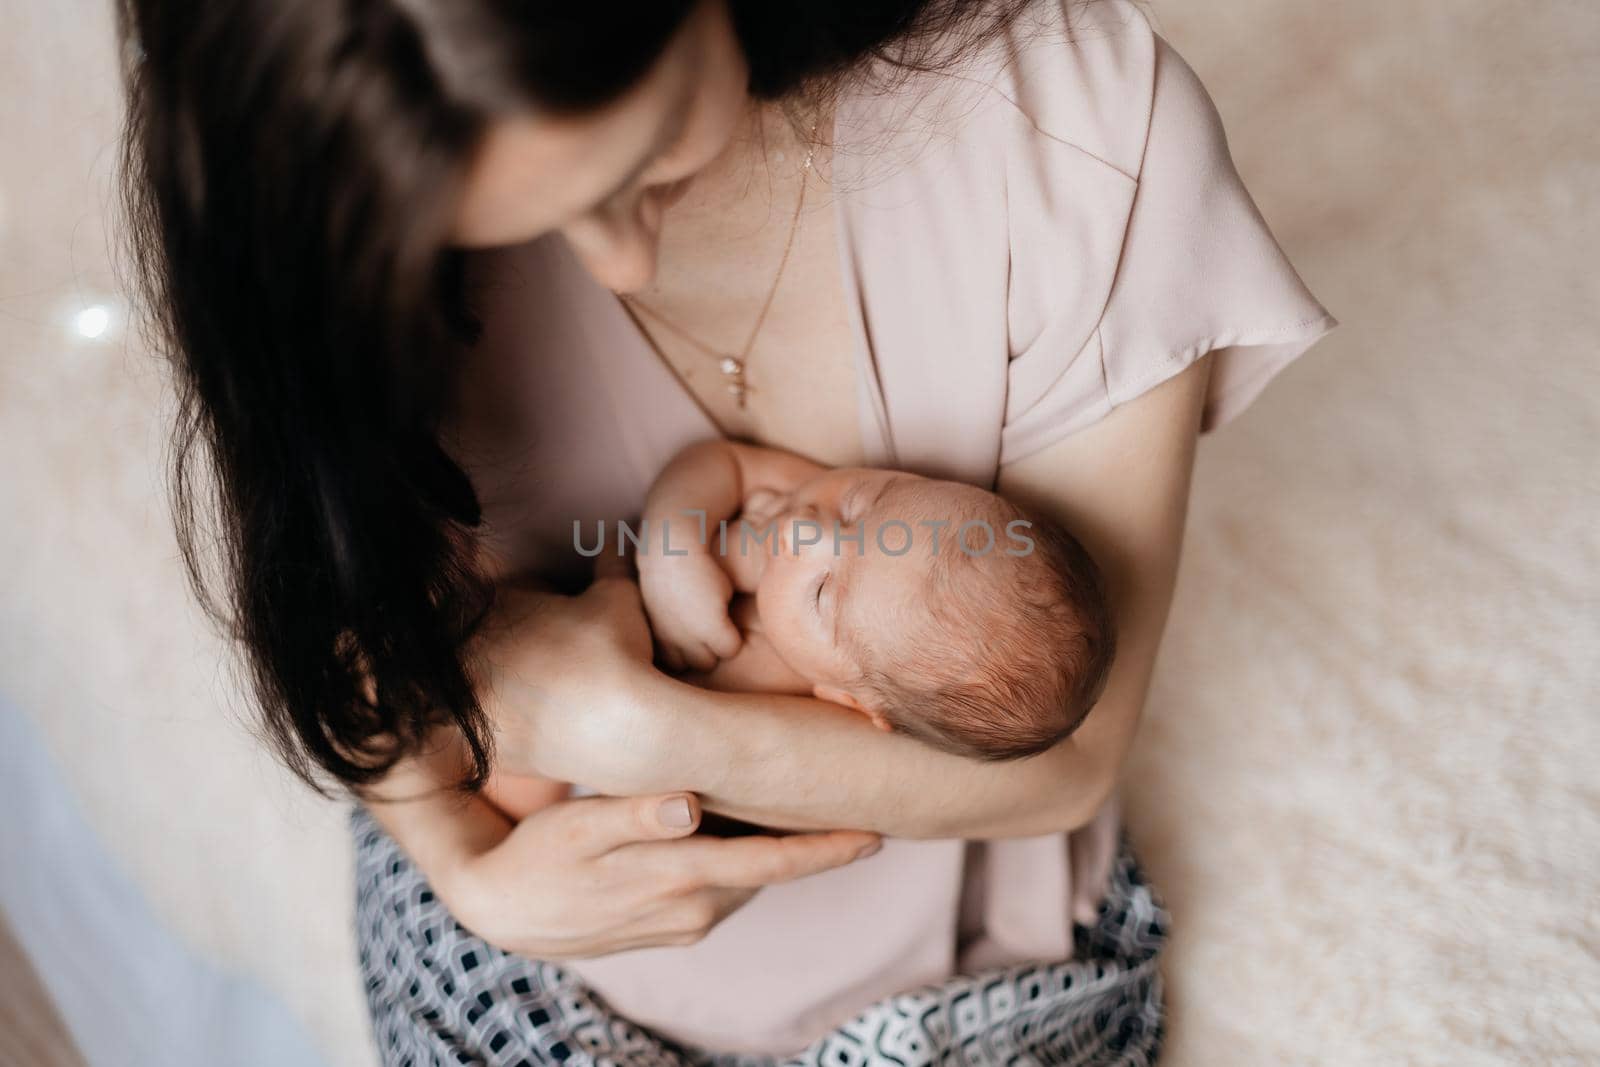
x=1038, y=135
x=1066, y=200
x=1077, y=74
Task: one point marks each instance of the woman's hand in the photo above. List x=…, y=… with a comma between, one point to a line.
x=563, y=678
x=597, y=875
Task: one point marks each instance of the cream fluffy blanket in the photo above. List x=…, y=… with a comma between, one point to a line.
x=1366, y=782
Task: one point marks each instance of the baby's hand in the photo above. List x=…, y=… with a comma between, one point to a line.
x=686, y=598
x=761, y=506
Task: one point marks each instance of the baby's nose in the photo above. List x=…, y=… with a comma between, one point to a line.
x=801, y=531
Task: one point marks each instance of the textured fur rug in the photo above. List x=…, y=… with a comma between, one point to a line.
x=1366, y=781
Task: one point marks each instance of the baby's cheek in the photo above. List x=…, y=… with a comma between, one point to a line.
x=790, y=637
x=769, y=597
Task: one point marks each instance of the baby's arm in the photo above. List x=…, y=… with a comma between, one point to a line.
x=686, y=592
x=717, y=478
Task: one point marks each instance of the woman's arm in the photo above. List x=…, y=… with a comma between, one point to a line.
x=1120, y=486
x=586, y=877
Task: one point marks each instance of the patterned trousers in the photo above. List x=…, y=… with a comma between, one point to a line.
x=440, y=995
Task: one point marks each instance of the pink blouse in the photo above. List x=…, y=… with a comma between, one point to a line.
x=1027, y=242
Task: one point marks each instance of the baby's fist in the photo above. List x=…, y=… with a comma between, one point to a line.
x=686, y=599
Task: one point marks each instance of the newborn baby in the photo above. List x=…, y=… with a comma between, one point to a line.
x=933, y=608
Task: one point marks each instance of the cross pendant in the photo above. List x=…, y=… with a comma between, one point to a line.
x=733, y=370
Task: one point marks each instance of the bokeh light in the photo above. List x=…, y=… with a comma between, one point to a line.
x=92, y=322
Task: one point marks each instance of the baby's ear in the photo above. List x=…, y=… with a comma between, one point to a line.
x=835, y=695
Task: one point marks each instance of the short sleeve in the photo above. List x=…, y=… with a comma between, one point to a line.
x=1196, y=271
x=1200, y=271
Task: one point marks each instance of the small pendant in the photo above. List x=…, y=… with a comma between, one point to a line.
x=732, y=368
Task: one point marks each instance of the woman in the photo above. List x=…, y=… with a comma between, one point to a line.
x=443, y=279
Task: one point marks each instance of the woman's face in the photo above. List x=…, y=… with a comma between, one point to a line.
x=604, y=179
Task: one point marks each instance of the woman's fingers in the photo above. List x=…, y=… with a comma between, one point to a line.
x=646, y=831
x=598, y=875
x=698, y=863
x=616, y=589
x=597, y=825
x=613, y=565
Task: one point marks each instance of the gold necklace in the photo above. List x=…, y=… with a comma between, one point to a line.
x=735, y=365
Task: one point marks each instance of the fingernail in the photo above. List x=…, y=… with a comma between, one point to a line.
x=674, y=812
x=870, y=849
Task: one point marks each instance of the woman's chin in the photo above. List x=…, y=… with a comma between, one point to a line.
x=671, y=194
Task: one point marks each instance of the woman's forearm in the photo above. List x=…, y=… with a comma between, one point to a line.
x=802, y=764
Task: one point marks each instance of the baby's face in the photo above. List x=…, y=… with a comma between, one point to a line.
x=818, y=590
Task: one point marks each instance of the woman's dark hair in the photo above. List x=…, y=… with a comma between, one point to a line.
x=291, y=172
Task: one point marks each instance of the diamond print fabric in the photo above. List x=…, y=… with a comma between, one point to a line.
x=439, y=995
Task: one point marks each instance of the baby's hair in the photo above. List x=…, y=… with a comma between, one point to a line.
x=1008, y=668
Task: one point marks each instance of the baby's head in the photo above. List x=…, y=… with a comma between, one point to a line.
x=939, y=610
